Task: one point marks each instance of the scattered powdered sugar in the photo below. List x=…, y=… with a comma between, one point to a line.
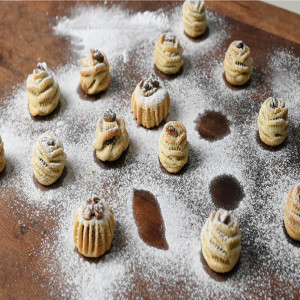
x=185, y=200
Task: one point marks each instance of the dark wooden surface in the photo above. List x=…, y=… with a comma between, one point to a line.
x=26, y=34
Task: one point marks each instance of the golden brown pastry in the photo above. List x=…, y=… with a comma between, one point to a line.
x=150, y=102
x=43, y=91
x=94, y=227
x=94, y=73
x=194, y=17
x=173, y=147
x=273, y=121
x=292, y=213
x=168, y=54
x=221, y=241
x=2, y=156
x=238, y=63
x=111, y=137
x=48, y=158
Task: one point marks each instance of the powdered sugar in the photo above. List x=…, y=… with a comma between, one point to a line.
x=184, y=200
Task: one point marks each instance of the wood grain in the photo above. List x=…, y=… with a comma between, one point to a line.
x=26, y=36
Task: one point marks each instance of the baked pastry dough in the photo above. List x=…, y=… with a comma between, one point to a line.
x=150, y=102
x=273, y=121
x=94, y=73
x=194, y=17
x=238, y=63
x=43, y=91
x=168, y=54
x=292, y=213
x=173, y=147
x=94, y=227
x=2, y=156
x=111, y=137
x=221, y=241
x=48, y=158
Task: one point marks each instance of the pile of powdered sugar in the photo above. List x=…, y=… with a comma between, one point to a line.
x=184, y=200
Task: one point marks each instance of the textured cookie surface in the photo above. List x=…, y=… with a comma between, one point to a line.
x=221, y=241
x=150, y=102
x=168, y=54
x=43, y=91
x=238, y=63
x=273, y=121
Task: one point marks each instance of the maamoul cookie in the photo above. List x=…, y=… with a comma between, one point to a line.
x=273, y=121
x=173, y=147
x=94, y=73
x=48, y=158
x=194, y=17
x=111, y=137
x=150, y=102
x=43, y=91
x=221, y=241
x=292, y=213
x=238, y=63
x=2, y=156
x=94, y=227
x=168, y=54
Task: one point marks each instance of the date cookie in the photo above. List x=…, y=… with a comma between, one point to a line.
x=150, y=102
x=93, y=228
x=94, y=72
x=43, y=91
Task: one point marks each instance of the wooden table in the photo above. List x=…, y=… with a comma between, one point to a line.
x=19, y=35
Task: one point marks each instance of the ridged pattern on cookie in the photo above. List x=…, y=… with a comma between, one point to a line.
x=43, y=91
x=273, y=121
x=221, y=241
x=238, y=63
x=168, y=54
x=94, y=74
x=111, y=139
x=48, y=158
x=94, y=237
x=194, y=17
x=2, y=155
x=292, y=213
x=173, y=151
x=152, y=107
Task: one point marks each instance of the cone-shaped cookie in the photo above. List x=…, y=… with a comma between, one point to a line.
x=238, y=63
x=168, y=54
x=43, y=91
x=94, y=73
x=2, y=156
x=93, y=228
x=111, y=137
x=273, y=121
x=292, y=213
x=173, y=147
x=221, y=241
x=194, y=17
x=150, y=102
x=48, y=158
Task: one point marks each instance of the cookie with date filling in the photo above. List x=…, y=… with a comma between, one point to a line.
x=292, y=213
x=150, y=102
x=48, y=158
x=194, y=17
x=273, y=121
x=94, y=72
x=173, y=147
x=238, y=63
x=93, y=228
x=221, y=241
x=111, y=137
x=168, y=54
x=43, y=91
